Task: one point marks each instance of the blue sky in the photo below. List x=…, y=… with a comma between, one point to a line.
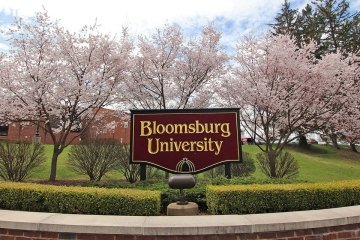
x=234, y=18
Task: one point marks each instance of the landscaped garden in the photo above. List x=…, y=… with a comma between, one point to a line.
x=320, y=163
x=78, y=90
x=327, y=178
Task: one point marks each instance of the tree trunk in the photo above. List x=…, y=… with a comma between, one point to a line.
x=353, y=147
x=54, y=160
x=333, y=138
x=272, y=163
x=303, y=142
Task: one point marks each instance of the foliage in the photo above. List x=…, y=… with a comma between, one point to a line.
x=285, y=165
x=83, y=200
x=171, y=71
x=334, y=28
x=243, y=199
x=96, y=158
x=196, y=194
x=329, y=23
x=153, y=173
x=273, y=82
x=17, y=160
x=243, y=169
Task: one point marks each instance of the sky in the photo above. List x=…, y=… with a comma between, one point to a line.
x=234, y=18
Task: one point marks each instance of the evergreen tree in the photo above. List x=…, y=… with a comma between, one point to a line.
x=340, y=27
x=286, y=21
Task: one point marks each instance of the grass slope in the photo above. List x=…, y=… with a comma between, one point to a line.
x=64, y=172
x=318, y=164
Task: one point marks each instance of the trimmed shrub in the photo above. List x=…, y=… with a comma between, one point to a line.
x=244, y=199
x=82, y=200
x=196, y=194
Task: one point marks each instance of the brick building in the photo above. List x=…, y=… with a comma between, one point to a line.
x=108, y=124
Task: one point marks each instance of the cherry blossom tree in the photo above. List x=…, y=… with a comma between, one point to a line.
x=348, y=126
x=346, y=122
x=282, y=90
x=169, y=71
x=60, y=77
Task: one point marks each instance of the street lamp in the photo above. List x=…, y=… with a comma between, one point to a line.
x=37, y=138
x=126, y=125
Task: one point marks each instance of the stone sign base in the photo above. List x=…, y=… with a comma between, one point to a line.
x=189, y=209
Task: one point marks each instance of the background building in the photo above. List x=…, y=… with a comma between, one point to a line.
x=108, y=124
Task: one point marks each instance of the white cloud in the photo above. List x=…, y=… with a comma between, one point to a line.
x=3, y=46
x=355, y=4
x=142, y=16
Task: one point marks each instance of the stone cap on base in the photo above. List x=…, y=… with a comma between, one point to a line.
x=179, y=225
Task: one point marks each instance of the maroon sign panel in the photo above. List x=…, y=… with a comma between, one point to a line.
x=190, y=141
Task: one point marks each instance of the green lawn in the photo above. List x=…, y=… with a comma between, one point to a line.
x=320, y=163
x=63, y=170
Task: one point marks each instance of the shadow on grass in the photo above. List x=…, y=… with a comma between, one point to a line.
x=313, y=149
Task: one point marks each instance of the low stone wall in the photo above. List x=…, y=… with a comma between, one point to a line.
x=337, y=223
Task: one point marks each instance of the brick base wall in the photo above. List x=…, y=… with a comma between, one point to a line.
x=344, y=232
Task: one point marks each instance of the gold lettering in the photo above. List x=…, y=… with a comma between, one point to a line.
x=218, y=145
x=145, y=128
x=200, y=146
x=191, y=128
x=177, y=146
x=150, y=150
x=193, y=144
x=205, y=145
x=225, y=130
x=164, y=145
x=160, y=128
x=181, y=128
x=185, y=146
x=210, y=142
x=217, y=126
x=199, y=126
x=168, y=127
x=171, y=145
x=148, y=128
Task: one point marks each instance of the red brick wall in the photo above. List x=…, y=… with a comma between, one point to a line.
x=120, y=132
x=344, y=232
x=18, y=132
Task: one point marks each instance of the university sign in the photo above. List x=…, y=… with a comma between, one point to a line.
x=185, y=141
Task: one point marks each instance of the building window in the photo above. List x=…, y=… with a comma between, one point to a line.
x=4, y=130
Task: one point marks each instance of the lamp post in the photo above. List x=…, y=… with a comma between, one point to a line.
x=126, y=125
x=37, y=138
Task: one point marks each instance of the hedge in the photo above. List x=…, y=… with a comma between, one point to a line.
x=82, y=200
x=245, y=199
